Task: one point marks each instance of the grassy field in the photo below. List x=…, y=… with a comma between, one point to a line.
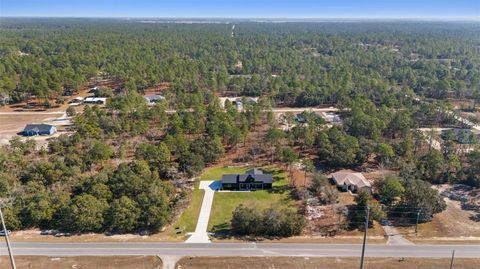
x=85, y=262
x=320, y=263
x=215, y=173
x=224, y=203
x=189, y=217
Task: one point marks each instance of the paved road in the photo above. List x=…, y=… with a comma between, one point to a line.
x=20, y=113
x=200, y=235
x=278, y=110
x=240, y=249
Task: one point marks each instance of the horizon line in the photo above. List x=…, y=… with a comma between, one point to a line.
x=250, y=18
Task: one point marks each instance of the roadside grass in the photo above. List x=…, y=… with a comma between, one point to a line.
x=188, y=220
x=224, y=203
x=453, y=224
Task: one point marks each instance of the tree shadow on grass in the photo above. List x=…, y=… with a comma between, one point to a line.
x=222, y=231
x=279, y=189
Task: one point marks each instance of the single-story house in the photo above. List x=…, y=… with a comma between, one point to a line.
x=331, y=117
x=68, y=92
x=238, y=101
x=461, y=136
x=153, y=99
x=300, y=117
x=253, y=179
x=39, y=129
x=349, y=181
x=95, y=100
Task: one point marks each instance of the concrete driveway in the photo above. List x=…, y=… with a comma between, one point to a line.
x=395, y=237
x=200, y=235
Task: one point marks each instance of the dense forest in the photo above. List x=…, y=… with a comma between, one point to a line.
x=294, y=63
x=125, y=166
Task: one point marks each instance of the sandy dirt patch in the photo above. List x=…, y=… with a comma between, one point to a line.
x=320, y=263
x=86, y=262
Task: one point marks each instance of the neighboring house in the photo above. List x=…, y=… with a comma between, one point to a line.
x=461, y=136
x=349, y=181
x=68, y=92
x=332, y=118
x=300, y=118
x=252, y=180
x=39, y=129
x=95, y=100
x=153, y=99
x=238, y=101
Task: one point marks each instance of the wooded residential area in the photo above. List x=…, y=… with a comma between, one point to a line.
x=130, y=166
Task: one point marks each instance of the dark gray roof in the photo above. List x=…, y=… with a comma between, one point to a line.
x=229, y=178
x=259, y=177
x=254, y=171
x=265, y=178
x=38, y=128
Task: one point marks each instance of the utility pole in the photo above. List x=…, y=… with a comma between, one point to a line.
x=12, y=261
x=451, y=262
x=365, y=236
x=416, y=223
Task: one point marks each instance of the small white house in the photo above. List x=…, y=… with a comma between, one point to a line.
x=153, y=99
x=95, y=100
x=350, y=181
x=332, y=118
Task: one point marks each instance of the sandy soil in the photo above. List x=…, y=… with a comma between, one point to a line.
x=453, y=224
x=11, y=124
x=319, y=263
x=35, y=236
x=118, y=262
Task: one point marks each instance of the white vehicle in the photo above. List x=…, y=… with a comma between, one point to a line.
x=2, y=232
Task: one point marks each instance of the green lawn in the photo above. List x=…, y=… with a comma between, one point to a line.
x=224, y=203
x=189, y=217
x=215, y=173
x=188, y=220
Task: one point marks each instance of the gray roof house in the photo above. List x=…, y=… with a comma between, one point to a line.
x=39, y=129
x=349, y=181
x=153, y=99
x=253, y=179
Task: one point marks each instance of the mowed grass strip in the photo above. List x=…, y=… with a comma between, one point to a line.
x=188, y=219
x=224, y=203
x=215, y=173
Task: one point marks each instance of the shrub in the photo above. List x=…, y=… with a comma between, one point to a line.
x=273, y=221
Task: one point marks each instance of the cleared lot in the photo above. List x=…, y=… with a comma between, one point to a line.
x=320, y=263
x=86, y=262
x=10, y=125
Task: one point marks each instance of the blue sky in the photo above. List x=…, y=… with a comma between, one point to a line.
x=462, y=9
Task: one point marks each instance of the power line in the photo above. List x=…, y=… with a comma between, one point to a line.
x=365, y=237
x=10, y=253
